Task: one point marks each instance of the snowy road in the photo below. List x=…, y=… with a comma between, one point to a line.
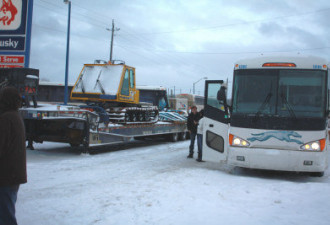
x=157, y=184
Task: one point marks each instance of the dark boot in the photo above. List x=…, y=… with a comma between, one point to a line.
x=199, y=160
x=190, y=155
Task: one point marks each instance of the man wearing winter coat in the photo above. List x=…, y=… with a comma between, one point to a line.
x=192, y=124
x=12, y=153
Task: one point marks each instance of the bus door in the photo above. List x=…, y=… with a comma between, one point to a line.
x=216, y=122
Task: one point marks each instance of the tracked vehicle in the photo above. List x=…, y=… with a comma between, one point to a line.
x=111, y=88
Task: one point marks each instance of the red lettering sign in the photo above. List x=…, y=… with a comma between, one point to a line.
x=11, y=59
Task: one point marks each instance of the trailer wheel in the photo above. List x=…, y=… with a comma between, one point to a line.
x=74, y=145
x=183, y=136
x=174, y=137
x=85, y=150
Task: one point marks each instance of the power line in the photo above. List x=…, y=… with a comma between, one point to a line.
x=77, y=15
x=255, y=52
x=182, y=61
x=102, y=21
x=62, y=31
x=190, y=52
x=233, y=24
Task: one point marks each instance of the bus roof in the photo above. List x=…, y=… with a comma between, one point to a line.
x=308, y=62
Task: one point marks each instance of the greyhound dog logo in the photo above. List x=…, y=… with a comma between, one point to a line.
x=280, y=135
x=7, y=12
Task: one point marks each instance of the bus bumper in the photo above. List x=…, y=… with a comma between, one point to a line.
x=274, y=159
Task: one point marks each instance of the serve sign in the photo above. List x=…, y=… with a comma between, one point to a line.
x=12, y=59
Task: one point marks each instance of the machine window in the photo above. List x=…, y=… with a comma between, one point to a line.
x=131, y=78
x=125, y=86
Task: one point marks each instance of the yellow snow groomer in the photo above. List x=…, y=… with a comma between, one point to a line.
x=112, y=87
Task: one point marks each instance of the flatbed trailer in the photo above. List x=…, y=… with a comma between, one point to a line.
x=80, y=127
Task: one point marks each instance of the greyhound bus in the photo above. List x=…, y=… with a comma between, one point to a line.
x=277, y=119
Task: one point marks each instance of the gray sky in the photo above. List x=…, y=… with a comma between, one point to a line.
x=176, y=42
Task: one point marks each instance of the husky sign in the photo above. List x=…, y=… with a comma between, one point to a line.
x=8, y=14
x=15, y=32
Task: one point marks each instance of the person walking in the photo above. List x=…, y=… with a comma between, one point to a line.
x=192, y=123
x=12, y=153
x=200, y=136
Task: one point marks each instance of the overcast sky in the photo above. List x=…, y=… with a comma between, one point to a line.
x=176, y=42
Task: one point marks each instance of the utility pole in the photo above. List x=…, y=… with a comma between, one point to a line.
x=66, y=91
x=113, y=29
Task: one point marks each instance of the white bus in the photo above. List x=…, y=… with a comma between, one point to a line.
x=277, y=119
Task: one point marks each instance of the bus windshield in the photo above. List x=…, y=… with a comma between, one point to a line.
x=280, y=92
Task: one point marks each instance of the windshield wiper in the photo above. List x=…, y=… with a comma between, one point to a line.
x=81, y=83
x=262, y=107
x=99, y=83
x=288, y=105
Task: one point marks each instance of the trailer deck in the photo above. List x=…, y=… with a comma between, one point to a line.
x=76, y=126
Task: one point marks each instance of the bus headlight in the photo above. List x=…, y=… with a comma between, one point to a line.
x=237, y=141
x=314, y=145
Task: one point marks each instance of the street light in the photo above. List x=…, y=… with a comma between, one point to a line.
x=67, y=53
x=197, y=82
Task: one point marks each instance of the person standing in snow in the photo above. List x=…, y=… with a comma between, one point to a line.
x=200, y=137
x=192, y=123
x=12, y=153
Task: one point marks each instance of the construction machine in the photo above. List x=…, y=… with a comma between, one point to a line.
x=111, y=88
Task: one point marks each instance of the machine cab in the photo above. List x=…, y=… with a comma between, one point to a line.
x=127, y=91
x=106, y=83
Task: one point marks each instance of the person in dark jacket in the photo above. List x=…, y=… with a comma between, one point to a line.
x=12, y=153
x=192, y=124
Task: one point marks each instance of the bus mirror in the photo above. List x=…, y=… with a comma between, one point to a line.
x=221, y=96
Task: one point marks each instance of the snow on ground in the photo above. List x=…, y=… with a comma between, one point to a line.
x=155, y=183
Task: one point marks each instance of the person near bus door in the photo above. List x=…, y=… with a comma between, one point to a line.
x=200, y=136
x=192, y=124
